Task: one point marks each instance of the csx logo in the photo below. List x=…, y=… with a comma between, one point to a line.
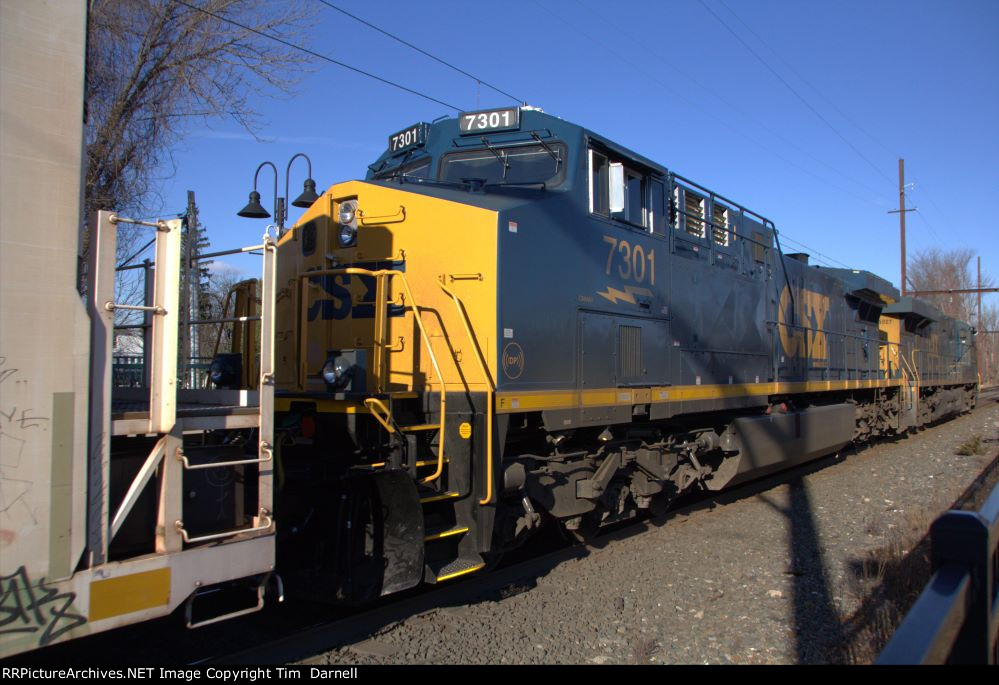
x=341, y=305
x=805, y=336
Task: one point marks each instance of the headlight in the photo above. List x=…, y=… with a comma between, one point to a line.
x=216, y=371
x=226, y=370
x=348, y=235
x=336, y=372
x=347, y=213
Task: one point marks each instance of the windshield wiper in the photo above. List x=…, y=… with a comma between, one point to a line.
x=433, y=181
x=548, y=149
x=499, y=155
x=540, y=185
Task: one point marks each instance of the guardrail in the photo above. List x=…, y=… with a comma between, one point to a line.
x=954, y=620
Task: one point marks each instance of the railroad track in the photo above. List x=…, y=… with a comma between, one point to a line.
x=303, y=627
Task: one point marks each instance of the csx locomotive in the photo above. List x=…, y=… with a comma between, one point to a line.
x=513, y=322
x=514, y=319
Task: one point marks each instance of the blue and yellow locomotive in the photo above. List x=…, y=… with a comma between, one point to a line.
x=514, y=318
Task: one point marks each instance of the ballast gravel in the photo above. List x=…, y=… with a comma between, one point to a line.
x=767, y=574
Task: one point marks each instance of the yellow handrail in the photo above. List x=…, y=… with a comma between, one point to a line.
x=410, y=304
x=374, y=405
x=915, y=370
x=463, y=315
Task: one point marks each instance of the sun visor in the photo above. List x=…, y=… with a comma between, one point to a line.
x=910, y=308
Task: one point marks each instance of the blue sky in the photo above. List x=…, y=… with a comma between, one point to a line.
x=875, y=80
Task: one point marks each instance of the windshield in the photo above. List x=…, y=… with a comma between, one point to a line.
x=517, y=165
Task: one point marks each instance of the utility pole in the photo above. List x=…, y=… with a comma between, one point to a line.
x=188, y=336
x=901, y=215
x=978, y=320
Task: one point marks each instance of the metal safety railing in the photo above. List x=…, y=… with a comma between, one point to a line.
x=490, y=390
x=380, y=344
x=955, y=619
x=166, y=461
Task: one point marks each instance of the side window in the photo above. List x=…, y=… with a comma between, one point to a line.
x=634, y=197
x=658, y=216
x=599, y=189
x=619, y=191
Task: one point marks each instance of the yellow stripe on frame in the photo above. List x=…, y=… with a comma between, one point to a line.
x=514, y=402
x=128, y=594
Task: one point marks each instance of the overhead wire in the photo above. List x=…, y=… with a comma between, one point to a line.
x=729, y=105
x=815, y=253
x=794, y=71
x=420, y=50
x=140, y=251
x=795, y=92
x=712, y=114
x=307, y=51
x=679, y=94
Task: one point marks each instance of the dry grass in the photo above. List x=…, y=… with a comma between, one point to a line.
x=888, y=581
x=643, y=649
x=890, y=578
x=972, y=446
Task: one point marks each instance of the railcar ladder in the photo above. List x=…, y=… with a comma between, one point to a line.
x=167, y=462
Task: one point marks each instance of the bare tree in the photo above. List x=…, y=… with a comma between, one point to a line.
x=936, y=269
x=988, y=342
x=154, y=67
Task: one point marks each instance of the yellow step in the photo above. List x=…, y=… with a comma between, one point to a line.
x=459, y=567
x=446, y=534
x=440, y=497
x=420, y=427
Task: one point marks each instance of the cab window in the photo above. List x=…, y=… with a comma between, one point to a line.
x=514, y=165
x=618, y=190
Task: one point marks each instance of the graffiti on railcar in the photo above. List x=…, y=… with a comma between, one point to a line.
x=27, y=609
x=19, y=426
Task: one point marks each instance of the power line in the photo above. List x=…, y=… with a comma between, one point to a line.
x=928, y=225
x=420, y=50
x=141, y=250
x=730, y=105
x=316, y=54
x=736, y=108
x=794, y=71
x=815, y=253
x=795, y=92
x=710, y=113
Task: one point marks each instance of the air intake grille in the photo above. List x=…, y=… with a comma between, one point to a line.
x=630, y=351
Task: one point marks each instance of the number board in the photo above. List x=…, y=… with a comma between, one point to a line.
x=489, y=120
x=413, y=136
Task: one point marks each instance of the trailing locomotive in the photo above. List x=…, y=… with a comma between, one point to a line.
x=515, y=318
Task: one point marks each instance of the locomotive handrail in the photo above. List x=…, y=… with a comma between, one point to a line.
x=381, y=313
x=744, y=210
x=374, y=406
x=463, y=315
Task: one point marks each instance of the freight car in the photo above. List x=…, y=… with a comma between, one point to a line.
x=513, y=320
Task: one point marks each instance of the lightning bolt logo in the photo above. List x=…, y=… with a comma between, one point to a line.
x=627, y=295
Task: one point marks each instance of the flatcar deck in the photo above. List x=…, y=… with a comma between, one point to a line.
x=196, y=410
